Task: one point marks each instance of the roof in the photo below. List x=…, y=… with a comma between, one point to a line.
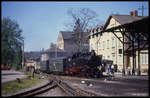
x=67, y=34
x=136, y=48
x=30, y=61
x=140, y=25
x=122, y=19
x=53, y=50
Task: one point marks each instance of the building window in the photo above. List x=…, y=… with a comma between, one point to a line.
x=119, y=44
x=113, y=57
x=94, y=30
x=92, y=36
x=103, y=45
x=144, y=59
x=89, y=37
x=120, y=60
x=107, y=44
x=94, y=47
x=120, y=51
x=108, y=57
x=113, y=43
x=99, y=45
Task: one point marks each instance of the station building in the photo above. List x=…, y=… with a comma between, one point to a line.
x=112, y=45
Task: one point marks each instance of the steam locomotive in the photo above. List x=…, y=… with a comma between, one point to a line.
x=79, y=64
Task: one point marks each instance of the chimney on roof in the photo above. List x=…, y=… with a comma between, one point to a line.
x=131, y=13
x=102, y=27
x=134, y=13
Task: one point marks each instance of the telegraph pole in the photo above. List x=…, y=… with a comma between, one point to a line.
x=142, y=8
x=56, y=52
x=22, y=54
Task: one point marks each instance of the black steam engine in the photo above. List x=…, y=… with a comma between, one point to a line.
x=79, y=64
x=84, y=64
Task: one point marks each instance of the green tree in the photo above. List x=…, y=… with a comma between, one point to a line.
x=11, y=43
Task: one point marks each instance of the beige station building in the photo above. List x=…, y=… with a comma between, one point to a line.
x=111, y=48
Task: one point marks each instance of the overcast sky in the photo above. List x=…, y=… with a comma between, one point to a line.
x=42, y=21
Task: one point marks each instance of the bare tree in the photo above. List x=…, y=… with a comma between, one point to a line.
x=83, y=19
x=85, y=15
x=52, y=45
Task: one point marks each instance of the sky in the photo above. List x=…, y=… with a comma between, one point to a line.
x=42, y=21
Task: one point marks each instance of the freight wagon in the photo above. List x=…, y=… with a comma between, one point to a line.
x=53, y=65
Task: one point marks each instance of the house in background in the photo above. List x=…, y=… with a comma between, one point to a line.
x=52, y=52
x=65, y=42
x=32, y=59
x=30, y=63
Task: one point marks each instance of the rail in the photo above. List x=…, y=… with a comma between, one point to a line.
x=54, y=81
x=70, y=90
x=35, y=91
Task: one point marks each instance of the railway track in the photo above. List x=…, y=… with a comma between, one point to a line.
x=35, y=91
x=54, y=82
x=72, y=91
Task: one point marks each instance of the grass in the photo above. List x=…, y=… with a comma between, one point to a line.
x=13, y=86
